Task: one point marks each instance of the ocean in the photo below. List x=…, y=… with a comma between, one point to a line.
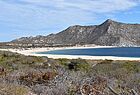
x=115, y=51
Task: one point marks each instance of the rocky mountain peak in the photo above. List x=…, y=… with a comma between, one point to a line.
x=110, y=21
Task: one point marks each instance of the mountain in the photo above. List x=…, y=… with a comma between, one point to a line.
x=109, y=33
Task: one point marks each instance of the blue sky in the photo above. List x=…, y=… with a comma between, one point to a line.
x=41, y=17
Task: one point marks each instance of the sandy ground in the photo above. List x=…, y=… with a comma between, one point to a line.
x=33, y=52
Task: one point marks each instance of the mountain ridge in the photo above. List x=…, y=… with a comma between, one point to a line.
x=109, y=33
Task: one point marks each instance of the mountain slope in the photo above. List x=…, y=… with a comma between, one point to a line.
x=110, y=33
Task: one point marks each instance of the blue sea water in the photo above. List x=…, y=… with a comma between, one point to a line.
x=117, y=51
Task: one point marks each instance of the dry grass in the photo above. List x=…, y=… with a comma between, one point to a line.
x=11, y=89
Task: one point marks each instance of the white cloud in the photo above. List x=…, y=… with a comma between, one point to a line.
x=54, y=15
x=96, y=6
x=49, y=12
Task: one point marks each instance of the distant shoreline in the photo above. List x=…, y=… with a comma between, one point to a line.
x=33, y=52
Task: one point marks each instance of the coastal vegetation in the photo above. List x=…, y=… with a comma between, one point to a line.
x=30, y=75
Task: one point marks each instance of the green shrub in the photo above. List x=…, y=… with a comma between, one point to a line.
x=106, y=61
x=80, y=64
x=63, y=61
x=132, y=66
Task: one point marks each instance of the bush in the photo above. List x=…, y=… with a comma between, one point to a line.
x=132, y=66
x=11, y=89
x=80, y=64
x=106, y=61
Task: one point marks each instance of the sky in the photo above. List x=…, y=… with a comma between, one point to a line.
x=20, y=18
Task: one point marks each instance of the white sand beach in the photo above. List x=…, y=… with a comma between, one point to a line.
x=33, y=52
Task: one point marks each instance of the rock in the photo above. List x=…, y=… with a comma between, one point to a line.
x=2, y=71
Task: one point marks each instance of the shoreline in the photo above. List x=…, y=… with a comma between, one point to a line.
x=33, y=52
